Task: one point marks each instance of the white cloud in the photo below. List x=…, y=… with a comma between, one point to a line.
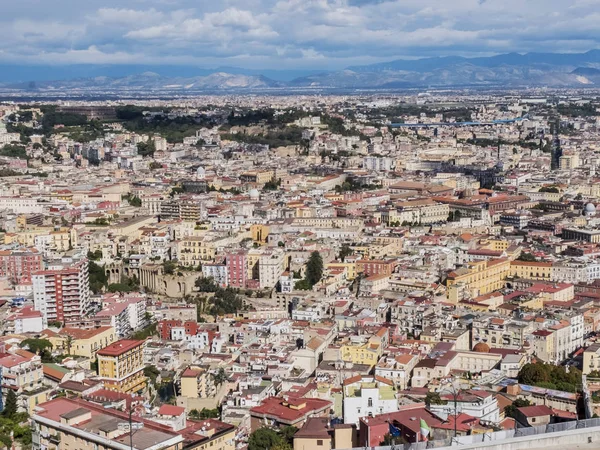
x=294, y=32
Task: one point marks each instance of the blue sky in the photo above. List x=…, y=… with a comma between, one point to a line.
x=286, y=34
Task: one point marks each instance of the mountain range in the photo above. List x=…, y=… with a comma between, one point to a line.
x=512, y=70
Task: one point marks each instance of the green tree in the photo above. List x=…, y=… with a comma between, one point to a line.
x=511, y=410
x=220, y=377
x=302, y=285
x=95, y=255
x=169, y=267
x=345, y=251
x=209, y=413
x=146, y=148
x=525, y=256
x=314, y=268
x=10, y=404
x=36, y=346
x=433, y=398
x=263, y=439
x=206, y=284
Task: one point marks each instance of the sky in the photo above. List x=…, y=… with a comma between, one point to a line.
x=287, y=34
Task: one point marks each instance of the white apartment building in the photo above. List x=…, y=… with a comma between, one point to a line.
x=20, y=205
x=480, y=404
x=218, y=272
x=365, y=396
x=270, y=267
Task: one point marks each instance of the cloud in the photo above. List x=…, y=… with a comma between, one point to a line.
x=289, y=33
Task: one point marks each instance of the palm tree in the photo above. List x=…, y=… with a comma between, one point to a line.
x=69, y=343
x=220, y=377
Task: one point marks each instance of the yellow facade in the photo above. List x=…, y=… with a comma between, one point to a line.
x=368, y=353
x=480, y=277
x=531, y=270
x=123, y=371
x=259, y=233
x=84, y=343
x=195, y=383
x=193, y=250
x=350, y=268
x=497, y=245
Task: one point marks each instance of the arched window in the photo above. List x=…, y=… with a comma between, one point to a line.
x=370, y=402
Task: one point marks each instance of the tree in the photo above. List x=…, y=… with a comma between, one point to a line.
x=146, y=148
x=314, y=268
x=220, y=377
x=10, y=404
x=511, y=410
x=287, y=434
x=525, y=256
x=302, y=285
x=69, y=343
x=36, y=346
x=433, y=398
x=209, y=413
x=206, y=284
x=169, y=267
x=345, y=251
x=95, y=255
x=263, y=439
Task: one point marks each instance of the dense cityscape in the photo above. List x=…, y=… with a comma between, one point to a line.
x=291, y=272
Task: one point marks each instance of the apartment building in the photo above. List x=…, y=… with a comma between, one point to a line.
x=22, y=372
x=65, y=423
x=237, y=268
x=477, y=278
x=121, y=366
x=62, y=292
x=367, y=396
x=18, y=265
x=270, y=266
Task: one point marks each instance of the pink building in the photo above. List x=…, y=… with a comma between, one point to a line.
x=237, y=268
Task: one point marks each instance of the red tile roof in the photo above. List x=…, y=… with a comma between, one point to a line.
x=280, y=409
x=120, y=347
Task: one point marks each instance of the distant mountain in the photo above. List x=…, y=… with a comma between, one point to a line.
x=150, y=81
x=510, y=70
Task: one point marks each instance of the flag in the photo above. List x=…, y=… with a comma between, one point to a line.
x=425, y=430
x=395, y=432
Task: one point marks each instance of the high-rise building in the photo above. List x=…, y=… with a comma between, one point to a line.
x=62, y=292
x=237, y=268
x=121, y=366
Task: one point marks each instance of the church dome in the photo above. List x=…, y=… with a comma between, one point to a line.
x=254, y=194
x=590, y=208
x=481, y=347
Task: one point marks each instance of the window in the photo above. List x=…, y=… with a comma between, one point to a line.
x=319, y=441
x=533, y=419
x=370, y=402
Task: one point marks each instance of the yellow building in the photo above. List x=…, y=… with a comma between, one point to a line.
x=479, y=277
x=259, y=233
x=259, y=176
x=349, y=266
x=363, y=353
x=194, y=250
x=121, y=366
x=82, y=342
x=531, y=270
x=195, y=383
x=498, y=245
x=591, y=359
